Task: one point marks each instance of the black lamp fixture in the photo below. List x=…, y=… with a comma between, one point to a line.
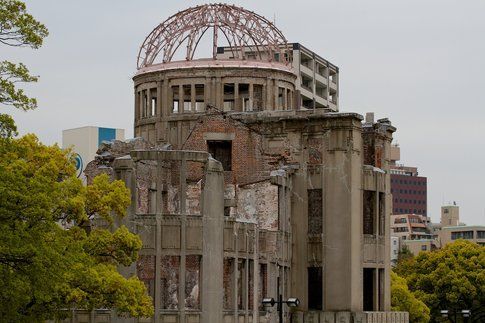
x=290, y=302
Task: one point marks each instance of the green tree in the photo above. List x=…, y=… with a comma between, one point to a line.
x=451, y=278
x=18, y=28
x=46, y=268
x=402, y=299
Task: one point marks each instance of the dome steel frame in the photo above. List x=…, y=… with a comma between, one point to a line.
x=244, y=31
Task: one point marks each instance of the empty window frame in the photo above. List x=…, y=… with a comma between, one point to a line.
x=153, y=102
x=228, y=104
x=315, y=288
x=192, y=281
x=263, y=284
x=257, y=97
x=244, y=99
x=281, y=98
x=187, y=88
x=199, y=98
x=315, y=214
x=368, y=290
x=175, y=99
x=369, y=200
x=144, y=104
x=221, y=150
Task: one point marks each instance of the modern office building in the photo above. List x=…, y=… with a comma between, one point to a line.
x=239, y=192
x=409, y=191
x=85, y=142
x=474, y=233
x=316, y=85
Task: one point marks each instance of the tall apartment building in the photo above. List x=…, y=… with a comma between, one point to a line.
x=317, y=80
x=239, y=193
x=409, y=190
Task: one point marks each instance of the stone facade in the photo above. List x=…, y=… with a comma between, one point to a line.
x=239, y=192
x=298, y=204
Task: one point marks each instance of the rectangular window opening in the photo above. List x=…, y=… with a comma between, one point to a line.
x=315, y=290
x=221, y=150
x=187, y=97
x=368, y=290
x=315, y=215
x=175, y=100
x=257, y=97
x=228, y=96
x=199, y=98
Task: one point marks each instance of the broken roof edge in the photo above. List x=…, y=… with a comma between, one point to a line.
x=214, y=63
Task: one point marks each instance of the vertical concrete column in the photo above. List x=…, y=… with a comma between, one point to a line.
x=192, y=97
x=207, y=92
x=183, y=230
x=219, y=93
x=256, y=275
x=269, y=95
x=285, y=99
x=141, y=112
x=299, y=224
x=158, y=240
x=167, y=98
x=275, y=96
x=251, y=95
x=212, y=205
x=149, y=102
x=137, y=106
x=237, y=102
x=165, y=106
x=343, y=200
x=158, y=109
x=246, y=276
x=181, y=99
x=124, y=169
x=235, y=273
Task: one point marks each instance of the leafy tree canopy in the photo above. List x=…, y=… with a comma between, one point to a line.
x=46, y=268
x=402, y=299
x=451, y=278
x=18, y=28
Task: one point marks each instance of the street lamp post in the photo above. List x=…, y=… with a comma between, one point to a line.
x=291, y=302
x=448, y=314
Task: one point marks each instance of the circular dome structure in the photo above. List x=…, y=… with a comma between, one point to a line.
x=243, y=30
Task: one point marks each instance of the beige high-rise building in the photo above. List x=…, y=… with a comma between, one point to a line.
x=450, y=215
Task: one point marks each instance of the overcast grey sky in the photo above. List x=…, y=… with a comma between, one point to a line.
x=420, y=63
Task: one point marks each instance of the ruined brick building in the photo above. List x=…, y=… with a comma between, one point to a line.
x=242, y=188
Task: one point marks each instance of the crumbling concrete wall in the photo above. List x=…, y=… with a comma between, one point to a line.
x=258, y=203
x=170, y=282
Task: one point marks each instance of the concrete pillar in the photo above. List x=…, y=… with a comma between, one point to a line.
x=192, y=97
x=251, y=95
x=149, y=103
x=237, y=102
x=256, y=275
x=343, y=232
x=181, y=99
x=299, y=224
x=269, y=95
x=212, y=259
x=183, y=229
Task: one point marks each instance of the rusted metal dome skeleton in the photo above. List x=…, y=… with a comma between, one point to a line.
x=243, y=30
